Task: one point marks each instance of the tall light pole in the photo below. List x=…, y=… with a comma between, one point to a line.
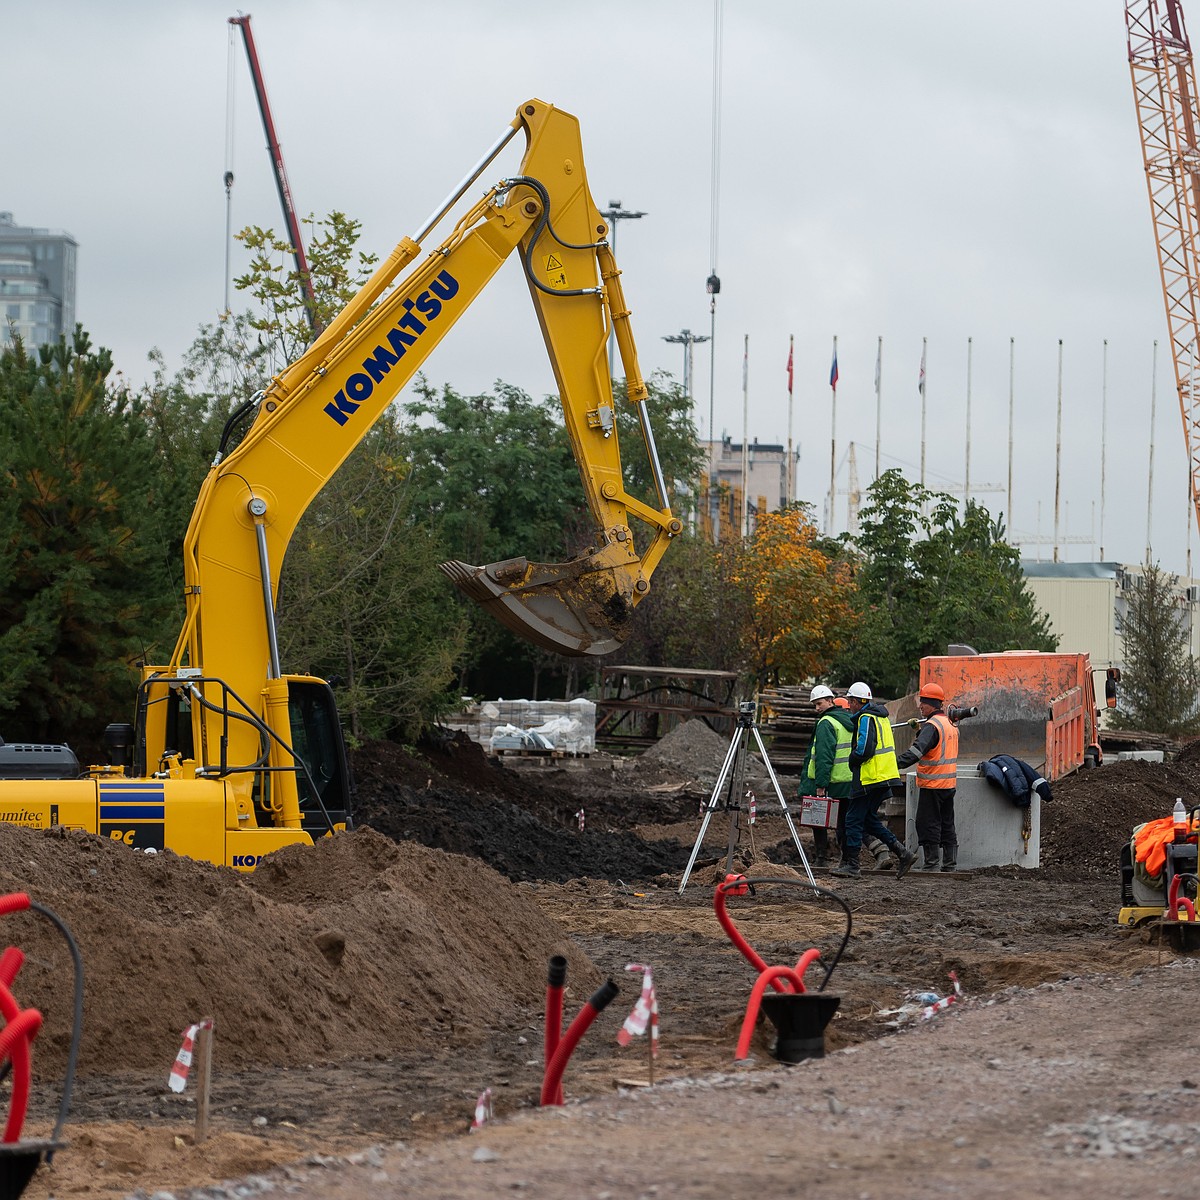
x=687, y=339
x=614, y=214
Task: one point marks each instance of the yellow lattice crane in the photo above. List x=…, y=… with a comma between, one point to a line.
x=1164, y=89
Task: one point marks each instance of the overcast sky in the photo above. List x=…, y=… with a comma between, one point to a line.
x=902, y=171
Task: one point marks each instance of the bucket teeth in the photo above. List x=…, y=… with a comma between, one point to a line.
x=575, y=608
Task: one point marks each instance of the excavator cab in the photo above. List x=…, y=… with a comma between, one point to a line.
x=317, y=740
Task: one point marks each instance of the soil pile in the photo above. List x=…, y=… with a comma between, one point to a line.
x=526, y=829
x=689, y=751
x=356, y=947
x=1093, y=813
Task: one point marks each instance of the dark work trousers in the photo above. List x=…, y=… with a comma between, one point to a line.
x=863, y=817
x=935, y=817
x=821, y=836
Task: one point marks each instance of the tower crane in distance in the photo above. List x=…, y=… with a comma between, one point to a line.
x=1164, y=90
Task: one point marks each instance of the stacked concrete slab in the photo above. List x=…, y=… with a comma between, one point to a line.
x=569, y=726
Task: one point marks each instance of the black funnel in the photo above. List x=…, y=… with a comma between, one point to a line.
x=18, y=1161
x=800, y=1020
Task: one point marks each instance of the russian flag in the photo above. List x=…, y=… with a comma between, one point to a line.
x=833, y=372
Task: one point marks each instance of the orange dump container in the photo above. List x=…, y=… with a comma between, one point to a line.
x=1037, y=707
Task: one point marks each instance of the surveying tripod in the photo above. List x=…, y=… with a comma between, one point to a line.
x=733, y=772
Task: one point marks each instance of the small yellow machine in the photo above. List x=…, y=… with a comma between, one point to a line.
x=228, y=758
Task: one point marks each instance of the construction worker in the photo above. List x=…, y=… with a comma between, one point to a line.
x=826, y=770
x=873, y=776
x=935, y=752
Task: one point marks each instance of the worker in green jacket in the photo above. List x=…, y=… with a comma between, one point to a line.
x=826, y=770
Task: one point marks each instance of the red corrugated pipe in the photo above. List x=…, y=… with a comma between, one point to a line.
x=555, y=981
x=552, y=1081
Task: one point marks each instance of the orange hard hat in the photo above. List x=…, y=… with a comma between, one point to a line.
x=933, y=693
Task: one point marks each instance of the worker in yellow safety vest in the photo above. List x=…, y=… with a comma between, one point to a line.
x=873, y=776
x=935, y=753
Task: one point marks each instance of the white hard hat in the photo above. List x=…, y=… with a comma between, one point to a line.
x=821, y=692
x=858, y=691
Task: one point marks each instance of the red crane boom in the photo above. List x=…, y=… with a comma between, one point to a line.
x=1164, y=89
x=281, y=179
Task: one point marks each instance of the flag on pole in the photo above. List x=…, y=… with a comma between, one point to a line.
x=789, y=366
x=833, y=370
x=878, y=366
x=645, y=1011
x=746, y=365
x=921, y=376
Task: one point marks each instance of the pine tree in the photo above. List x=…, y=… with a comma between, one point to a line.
x=80, y=583
x=1160, y=676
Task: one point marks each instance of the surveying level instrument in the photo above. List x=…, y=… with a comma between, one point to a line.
x=728, y=791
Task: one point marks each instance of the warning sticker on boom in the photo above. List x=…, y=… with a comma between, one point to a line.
x=556, y=276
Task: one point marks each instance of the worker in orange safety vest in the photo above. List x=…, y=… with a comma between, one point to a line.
x=935, y=753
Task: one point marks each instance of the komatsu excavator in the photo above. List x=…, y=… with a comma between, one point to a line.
x=229, y=758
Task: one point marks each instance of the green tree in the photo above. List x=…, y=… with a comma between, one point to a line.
x=337, y=268
x=361, y=599
x=1160, y=678
x=84, y=581
x=928, y=576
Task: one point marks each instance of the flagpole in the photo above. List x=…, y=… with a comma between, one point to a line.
x=923, y=384
x=1011, y=359
x=1103, y=437
x=967, y=480
x=878, y=400
x=833, y=378
x=746, y=437
x=1058, y=452
x=789, y=490
x=1150, y=472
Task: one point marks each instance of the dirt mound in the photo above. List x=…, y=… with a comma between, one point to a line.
x=1093, y=813
x=356, y=947
x=524, y=829
x=690, y=750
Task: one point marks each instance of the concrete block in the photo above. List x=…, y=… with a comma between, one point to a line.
x=987, y=821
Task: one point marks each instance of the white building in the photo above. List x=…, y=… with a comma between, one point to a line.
x=1086, y=604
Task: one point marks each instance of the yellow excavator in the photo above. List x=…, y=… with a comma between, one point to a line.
x=228, y=758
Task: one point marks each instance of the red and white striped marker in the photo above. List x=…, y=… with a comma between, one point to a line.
x=483, y=1109
x=579, y=818
x=177, y=1080
x=645, y=1011
x=753, y=806
x=931, y=1009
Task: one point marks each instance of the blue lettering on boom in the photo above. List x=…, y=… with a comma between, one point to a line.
x=358, y=386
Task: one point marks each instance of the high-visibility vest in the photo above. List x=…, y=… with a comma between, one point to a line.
x=881, y=766
x=936, y=769
x=841, y=752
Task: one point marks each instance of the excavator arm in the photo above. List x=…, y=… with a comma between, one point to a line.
x=311, y=417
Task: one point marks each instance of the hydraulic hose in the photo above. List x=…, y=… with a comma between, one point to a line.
x=552, y=1082
x=555, y=981
x=737, y=885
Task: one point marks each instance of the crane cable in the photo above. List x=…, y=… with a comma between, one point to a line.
x=714, y=199
x=229, y=126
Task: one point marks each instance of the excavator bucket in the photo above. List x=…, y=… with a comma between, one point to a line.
x=573, y=608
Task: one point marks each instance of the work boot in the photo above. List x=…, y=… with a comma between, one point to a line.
x=847, y=868
x=931, y=855
x=949, y=858
x=820, y=859
x=906, y=860
x=883, y=856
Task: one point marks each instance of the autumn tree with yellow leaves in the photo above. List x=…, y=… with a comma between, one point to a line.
x=797, y=598
x=774, y=606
